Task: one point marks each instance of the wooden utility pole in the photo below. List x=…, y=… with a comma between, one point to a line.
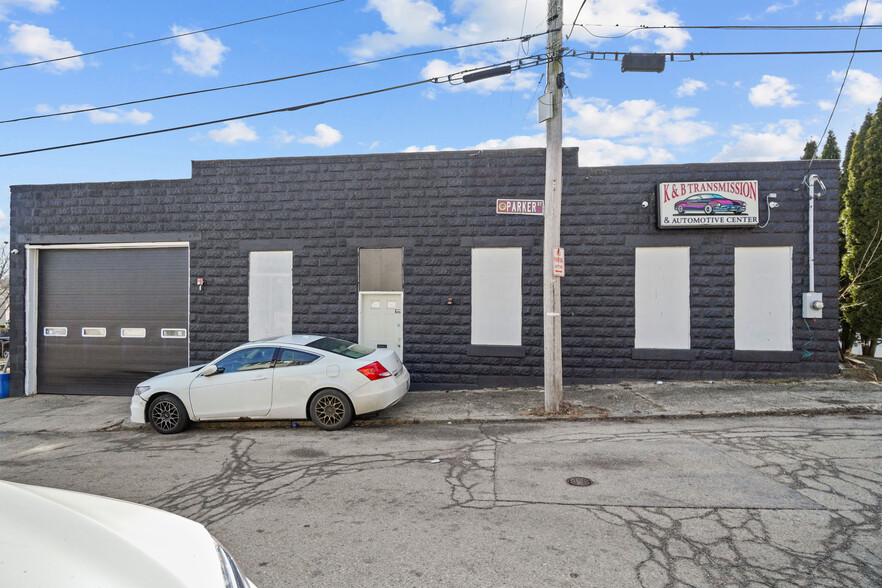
x=551, y=238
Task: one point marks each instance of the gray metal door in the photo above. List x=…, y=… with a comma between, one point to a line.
x=110, y=318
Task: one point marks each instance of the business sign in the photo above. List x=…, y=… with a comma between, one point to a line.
x=708, y=205
x=557, y=262
x=531, y=207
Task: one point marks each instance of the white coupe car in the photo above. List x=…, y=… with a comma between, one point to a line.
x=51, y=537
x=291, y=377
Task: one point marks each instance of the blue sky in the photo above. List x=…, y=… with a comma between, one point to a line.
x=709, y=109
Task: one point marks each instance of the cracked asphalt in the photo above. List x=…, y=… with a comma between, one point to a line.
x=738, y=501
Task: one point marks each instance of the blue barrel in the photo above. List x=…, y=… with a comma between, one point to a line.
x=4, y=385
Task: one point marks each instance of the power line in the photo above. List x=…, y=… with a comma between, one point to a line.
x=234, y=24
x=269, y=81
x=604, y=55
x=637, y=28
x=841, y=88
x=518, y=64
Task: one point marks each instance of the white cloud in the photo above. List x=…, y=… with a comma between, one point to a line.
x=689, y=87
x=779, y=6
x=773, y=91
x=517, y=142
x=43, y=6
x=324, y=136
x=862, y=87
x=198, y=54
x=233, y=132
x=854, y=9
x=99, y=117
x=438, y=68
x=409, y=22
x=39, y=45
x=118, y=115
x=783, y=140
x=636, y=121
x=592, y=152
x=826, y=104
x=416, y=23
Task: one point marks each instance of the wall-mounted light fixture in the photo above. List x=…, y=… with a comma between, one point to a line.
x=200, y=282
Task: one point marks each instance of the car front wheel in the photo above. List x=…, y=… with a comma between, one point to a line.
x=167, y=414
x=330, y=410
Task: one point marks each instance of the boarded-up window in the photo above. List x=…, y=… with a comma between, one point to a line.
x=764, y=298
x=380, y=270
x=270, y=299
x=496, y=296
x=661, y=298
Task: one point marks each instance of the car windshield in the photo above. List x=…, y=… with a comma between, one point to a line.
x=344, y=348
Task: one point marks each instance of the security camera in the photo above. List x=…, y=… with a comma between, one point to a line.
x=645, y=204
x=14, y=252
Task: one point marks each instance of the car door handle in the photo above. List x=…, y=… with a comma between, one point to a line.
x=261, y=378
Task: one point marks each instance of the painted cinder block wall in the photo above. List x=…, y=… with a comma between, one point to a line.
x=437, y=206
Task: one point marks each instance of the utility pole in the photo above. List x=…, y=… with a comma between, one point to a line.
x=551, y=237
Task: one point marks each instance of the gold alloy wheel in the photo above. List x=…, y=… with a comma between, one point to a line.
x=330, y=410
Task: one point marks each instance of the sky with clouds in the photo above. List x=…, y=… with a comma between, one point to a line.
x=736, y=108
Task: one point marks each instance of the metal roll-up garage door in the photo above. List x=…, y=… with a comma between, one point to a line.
x=110, y=318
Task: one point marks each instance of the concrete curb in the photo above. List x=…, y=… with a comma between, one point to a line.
x=402, y=421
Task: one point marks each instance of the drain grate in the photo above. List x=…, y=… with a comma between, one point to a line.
x=579, y=481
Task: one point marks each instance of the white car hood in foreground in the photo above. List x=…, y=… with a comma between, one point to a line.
x=51, y=537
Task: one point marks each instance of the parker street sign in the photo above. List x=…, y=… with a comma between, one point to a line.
x=506, y=206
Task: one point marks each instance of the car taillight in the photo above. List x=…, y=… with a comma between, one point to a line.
x=375, y=371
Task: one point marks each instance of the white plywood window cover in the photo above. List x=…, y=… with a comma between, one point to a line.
x=661, y=298
x=496, y=296
x=270, y=297
x=764, y=298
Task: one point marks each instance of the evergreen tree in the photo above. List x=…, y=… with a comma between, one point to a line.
x=831, y=148
x=846, y=332
x=811, y=149
x=863, y=259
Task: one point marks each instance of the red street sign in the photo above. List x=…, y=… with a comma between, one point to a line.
x=557, y=266
x=531, y=207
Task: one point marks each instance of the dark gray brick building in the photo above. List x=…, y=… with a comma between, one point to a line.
x=115, y=281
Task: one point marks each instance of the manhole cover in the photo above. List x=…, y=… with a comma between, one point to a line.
x=579, y=481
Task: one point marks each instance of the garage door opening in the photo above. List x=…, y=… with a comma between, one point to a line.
x=107, y=318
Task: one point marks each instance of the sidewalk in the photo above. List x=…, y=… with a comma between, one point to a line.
x=622, y=401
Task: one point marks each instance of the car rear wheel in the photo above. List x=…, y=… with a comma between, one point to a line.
x=167, y=414
x=680, y=209
x=330, y=410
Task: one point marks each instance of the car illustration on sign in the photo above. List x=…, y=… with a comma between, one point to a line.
x=709, y=204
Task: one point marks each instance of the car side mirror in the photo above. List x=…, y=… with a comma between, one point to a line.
x=211, y=370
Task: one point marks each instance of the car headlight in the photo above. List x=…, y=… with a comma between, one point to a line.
x=141, y=389
x=233, y=576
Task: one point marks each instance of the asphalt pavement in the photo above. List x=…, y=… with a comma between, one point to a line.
x=630, y=400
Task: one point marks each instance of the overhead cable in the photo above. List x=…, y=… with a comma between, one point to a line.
x=232, y=24
x=841, y=88
x=272, y=80
x=513, y=62
x=614, y=55
x=634, y=29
